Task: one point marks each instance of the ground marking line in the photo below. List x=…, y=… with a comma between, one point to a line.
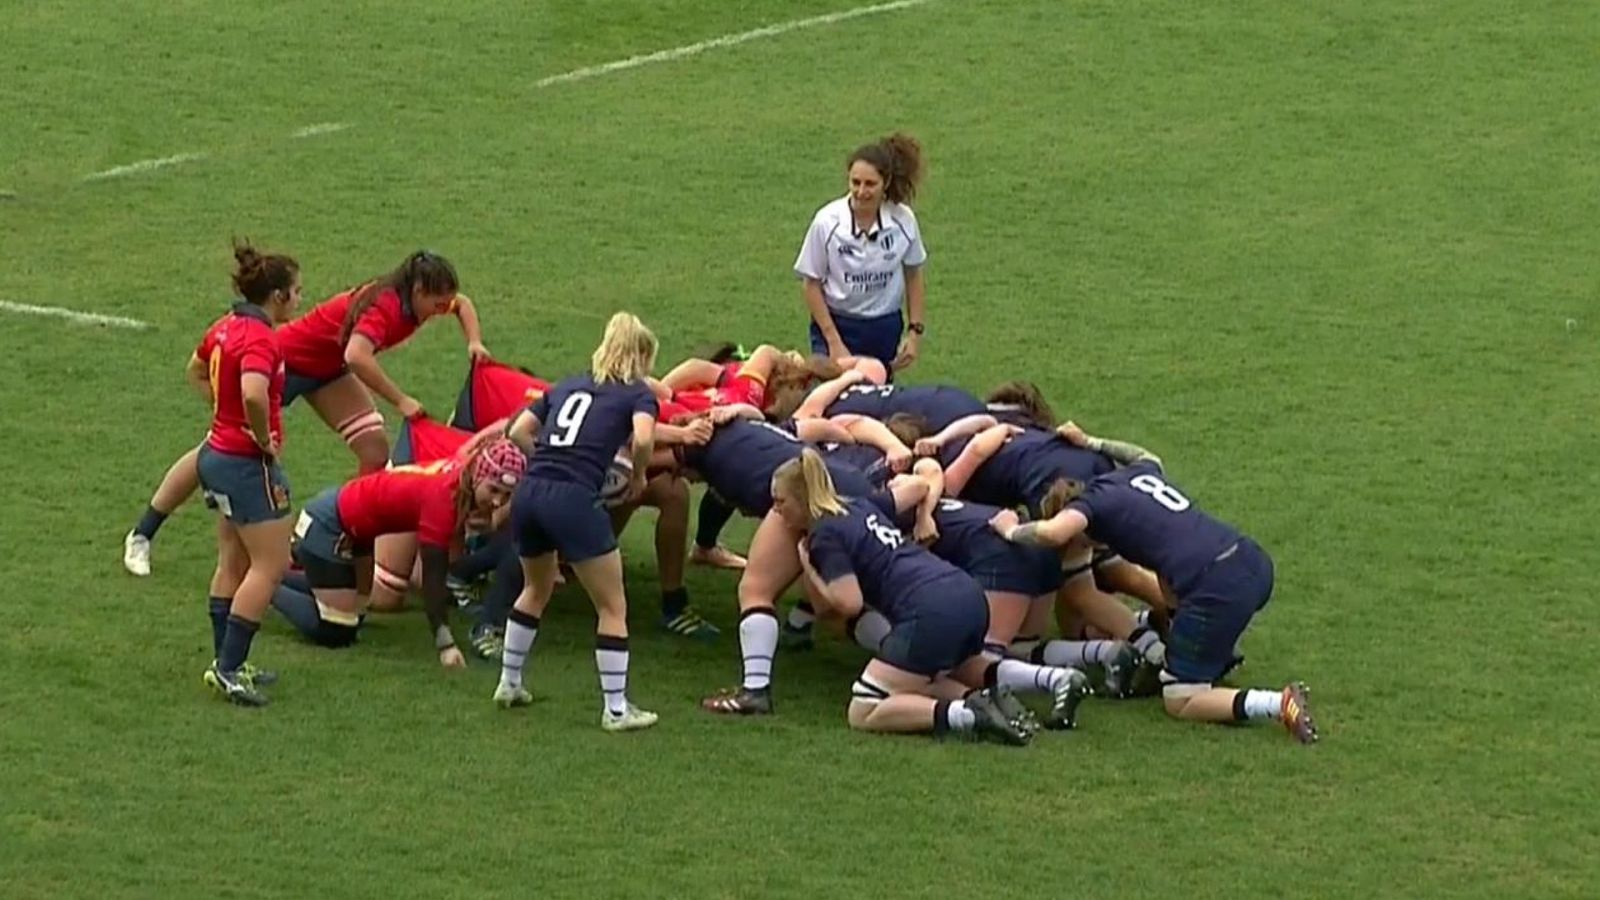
x=727, y=40
x=320, y=128
x=72, y=315
x=144, y=165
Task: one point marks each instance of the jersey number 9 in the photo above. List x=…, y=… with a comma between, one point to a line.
x=569, y=418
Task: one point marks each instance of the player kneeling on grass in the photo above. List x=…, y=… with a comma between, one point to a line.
x=336, y=531
x=573, y=433
x=1218, y=578
x=239, y=366
x=853, y=555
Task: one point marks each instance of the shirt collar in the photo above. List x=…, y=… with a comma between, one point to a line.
x=872, y=233
x=253, y=311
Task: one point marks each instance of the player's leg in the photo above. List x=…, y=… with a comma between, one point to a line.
x=710, y=518
x=774, y=565
x=888, y=699
x=692, y=373
x=394, y=556
x=669, y=494
x=522, y=626
x=1205, y=631
x=601, y=577
x=177, y=485
x=347, y=408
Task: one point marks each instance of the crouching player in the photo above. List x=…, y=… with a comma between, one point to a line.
x=853, y=555
x=1217, y=577
x=336, y=531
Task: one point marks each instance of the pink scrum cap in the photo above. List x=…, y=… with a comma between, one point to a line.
x=501, y=462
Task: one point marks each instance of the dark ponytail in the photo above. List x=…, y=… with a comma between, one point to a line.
x=428, y=271
x=257, y=275
x=898, y=158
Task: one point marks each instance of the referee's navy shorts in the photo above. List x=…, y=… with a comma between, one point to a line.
x=877, y=337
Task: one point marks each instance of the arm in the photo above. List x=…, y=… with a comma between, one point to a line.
x=823, y=395
x=1123, y=453
x=1055, y=531
x=255, y=388
x=695, y=433
x=524, y=430
x=928, y=474
x=437, y=602
x=471, y=328
x=822, y=431
x=966, y=426
x=691, y=373
x=911, y=345
x=818, y=307
x=841, y=597
x=362, y=358
x=877, y=435
x=973, y=456
x=199, y=377
x=722, y=415
x=644, y=444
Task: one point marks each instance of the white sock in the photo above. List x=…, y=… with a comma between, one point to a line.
x=1263, y=704
x=521, y=630
x=611, y=661
x=1141, y=619
x=801, y=618
x=758, y=641
x=1147, y=642
x=1077, y=653
x=1024, y=676
x=869, y=629
x=958, y=717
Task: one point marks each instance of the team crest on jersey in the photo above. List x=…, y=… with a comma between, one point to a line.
x=280, y=497
x=847, y=250
x=887, y=240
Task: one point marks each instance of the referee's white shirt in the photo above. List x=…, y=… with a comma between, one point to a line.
x=862, y=272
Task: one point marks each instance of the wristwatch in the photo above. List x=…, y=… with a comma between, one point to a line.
x=916, y=328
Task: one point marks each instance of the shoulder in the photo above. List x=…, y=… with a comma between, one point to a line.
x=830, y=215
x=903, y=216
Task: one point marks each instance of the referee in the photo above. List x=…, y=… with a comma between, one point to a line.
x=862, y=259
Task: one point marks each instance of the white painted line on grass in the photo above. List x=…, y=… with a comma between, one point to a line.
x=72, y=315
x=320, y=128
x=727, y=40
x=144, y=165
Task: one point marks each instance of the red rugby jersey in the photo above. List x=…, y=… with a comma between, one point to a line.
x=239, y=342
x=402, y=499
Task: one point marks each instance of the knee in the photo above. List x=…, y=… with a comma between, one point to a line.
x=859, y=715
x=1176, y=696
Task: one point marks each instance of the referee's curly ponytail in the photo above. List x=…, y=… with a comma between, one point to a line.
x=898, y=158
x=257, y=276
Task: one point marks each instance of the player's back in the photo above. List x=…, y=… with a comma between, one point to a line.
x=582, y=425
x=1150, y=521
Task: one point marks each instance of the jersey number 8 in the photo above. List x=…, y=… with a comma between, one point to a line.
x=569, y=418
x=1159, y=491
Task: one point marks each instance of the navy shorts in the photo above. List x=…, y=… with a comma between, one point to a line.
x=560, y=517
x=1214, y=611
x=999, y=565
x=245, y=489
x=877, y=337
x=296, y=385
x=946, y=629
x=321, y=546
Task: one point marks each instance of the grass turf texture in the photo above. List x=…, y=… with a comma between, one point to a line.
x=1320, y=258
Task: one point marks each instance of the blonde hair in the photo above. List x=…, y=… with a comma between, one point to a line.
x=807, y=480
x=626, y=353
x=1062, y=491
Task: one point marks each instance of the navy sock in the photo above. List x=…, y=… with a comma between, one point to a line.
x=219, y=623
x=502, y=592
x=150, y=522
x=300, y=608
x=295, y=579
x=485, y=559
x=236, y=643
x=674, y=602
x=712, y=515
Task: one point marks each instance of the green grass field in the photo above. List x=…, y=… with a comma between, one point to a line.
x=1335, y=262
